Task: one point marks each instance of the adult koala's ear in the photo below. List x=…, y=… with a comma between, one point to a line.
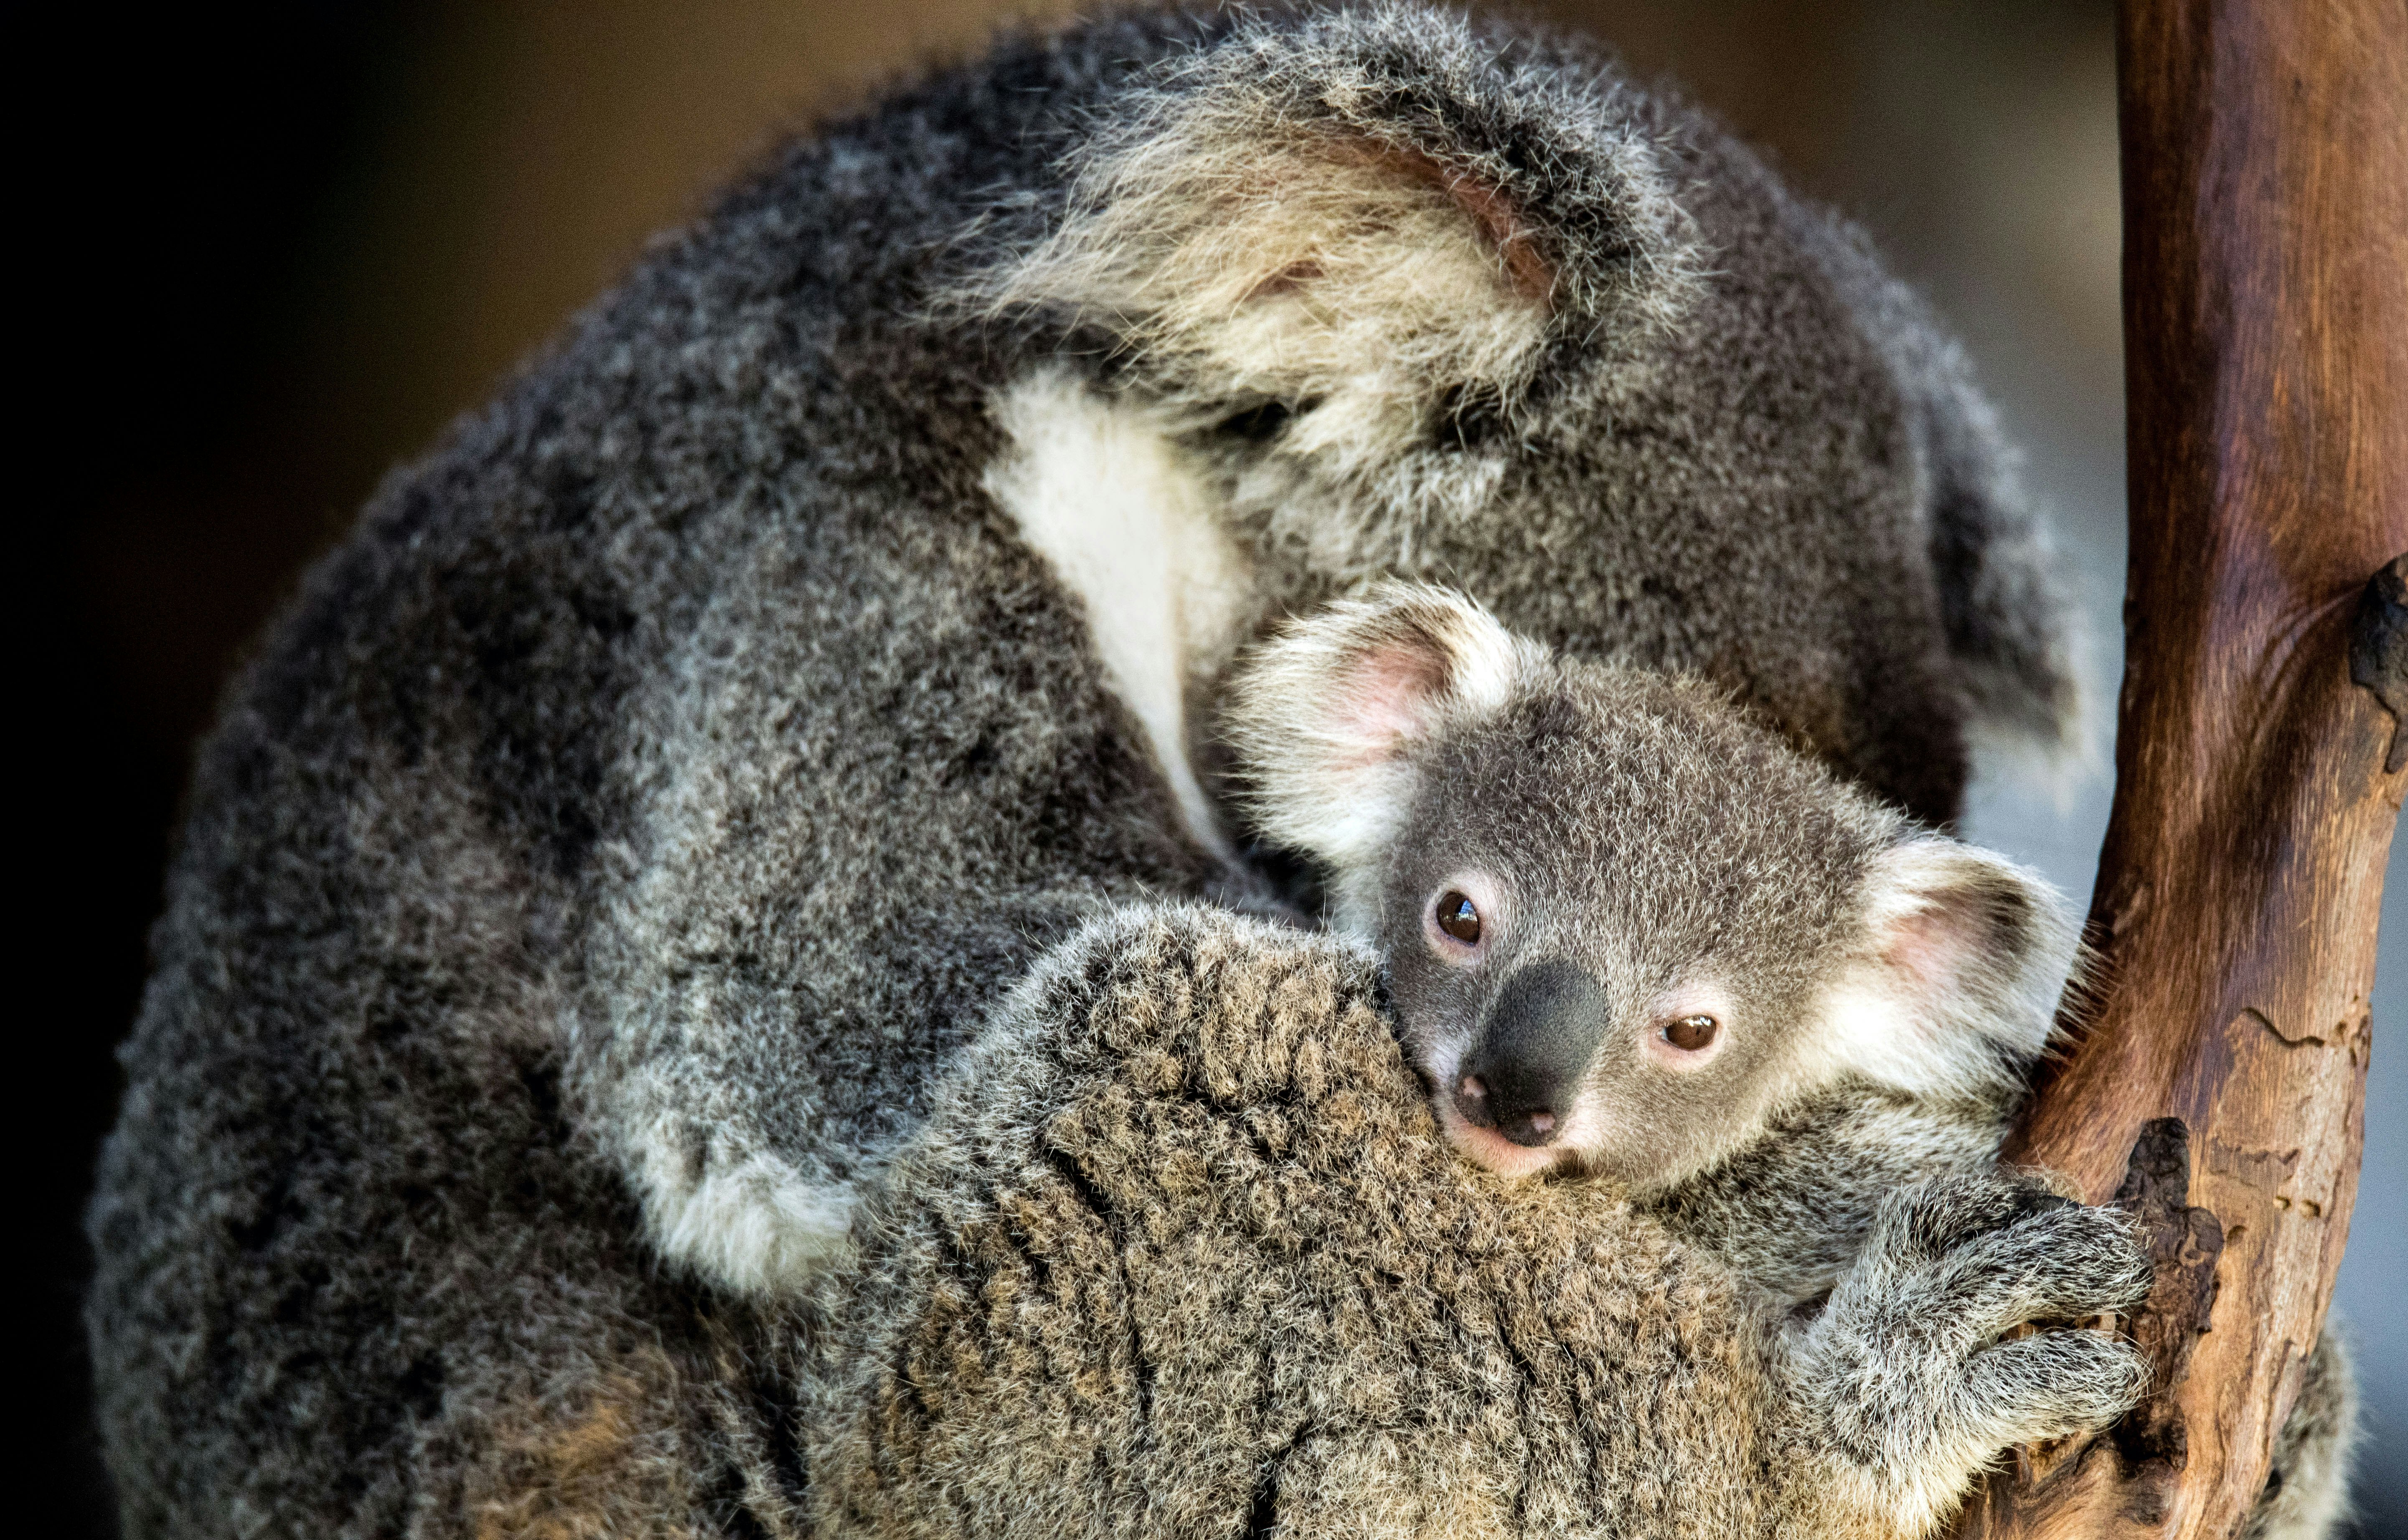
x=1357, y=219
x=1953, y=989
x=1324, y=716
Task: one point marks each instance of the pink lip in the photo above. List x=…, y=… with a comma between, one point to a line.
x=1489, y=1148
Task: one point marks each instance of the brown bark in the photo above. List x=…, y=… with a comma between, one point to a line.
x=2219, y=1087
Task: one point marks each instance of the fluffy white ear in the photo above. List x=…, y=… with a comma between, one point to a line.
x=1325, y=714
x=1963, y=959
x=1301, y=266
x=1358, y=221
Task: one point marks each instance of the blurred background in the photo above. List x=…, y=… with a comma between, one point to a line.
x=276, y=254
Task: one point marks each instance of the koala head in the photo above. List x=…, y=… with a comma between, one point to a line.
x=1624, y=925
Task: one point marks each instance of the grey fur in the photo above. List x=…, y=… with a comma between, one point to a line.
x=667, y=785
x=1182, y=1249
x=1639, y=829
x=1635, y=852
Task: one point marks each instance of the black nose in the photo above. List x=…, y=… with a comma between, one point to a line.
x=1534, y=1047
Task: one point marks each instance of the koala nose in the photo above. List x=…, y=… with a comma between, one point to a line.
x=1534, y=1047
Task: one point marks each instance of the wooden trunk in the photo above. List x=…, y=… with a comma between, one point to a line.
x=2218, y=1085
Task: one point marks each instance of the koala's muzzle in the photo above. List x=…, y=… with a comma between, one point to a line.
x=1520, y=1078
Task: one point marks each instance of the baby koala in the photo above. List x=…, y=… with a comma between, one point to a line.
x=1625, y=928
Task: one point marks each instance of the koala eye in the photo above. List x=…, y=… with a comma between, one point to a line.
x=1690, y=1033
x=1458, y=917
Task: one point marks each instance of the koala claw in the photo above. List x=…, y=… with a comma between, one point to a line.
x=1906, y=1369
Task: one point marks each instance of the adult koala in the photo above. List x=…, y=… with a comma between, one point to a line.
x=585, y=1059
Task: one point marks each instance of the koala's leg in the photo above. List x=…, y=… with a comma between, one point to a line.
x=1904, y=1379
x=2307, y=1492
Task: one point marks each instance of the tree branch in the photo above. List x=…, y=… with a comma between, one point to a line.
x=2219, y=1088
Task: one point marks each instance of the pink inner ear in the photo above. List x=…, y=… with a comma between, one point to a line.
x=1927, y=946
x=1516, y=241
x=1386, y=700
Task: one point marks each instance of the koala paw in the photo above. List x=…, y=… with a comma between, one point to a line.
x=1913, y=1376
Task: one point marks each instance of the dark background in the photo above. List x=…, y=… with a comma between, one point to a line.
x=272, y=256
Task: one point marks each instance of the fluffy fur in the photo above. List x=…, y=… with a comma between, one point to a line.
x=1323, y=719
x=1127, y=520
x=621, y=850
x=1293, y=215
x=1182, y=1251
x=2307, y=1494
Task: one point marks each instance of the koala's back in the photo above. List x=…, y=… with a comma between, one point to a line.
x=350, y=1213
x=1782, y=471
x=699, y=679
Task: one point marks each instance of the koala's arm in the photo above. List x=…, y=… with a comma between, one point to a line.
x=1181, y=1246
x=845, y=843
x=1907, y=1390
x=1791, y=1212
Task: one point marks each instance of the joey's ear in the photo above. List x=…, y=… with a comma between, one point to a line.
x=1357, y=218
x=1325, y=715
x=1962, y=959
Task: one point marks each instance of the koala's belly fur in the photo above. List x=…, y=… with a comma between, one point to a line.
x=1137, y=531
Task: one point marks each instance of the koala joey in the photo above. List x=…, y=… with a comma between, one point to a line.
x=1624, y=927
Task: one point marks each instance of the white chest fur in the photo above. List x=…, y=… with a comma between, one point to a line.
x=1131, y=527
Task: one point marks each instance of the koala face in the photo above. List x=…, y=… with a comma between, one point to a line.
x=1607, y=912
x=1623, y=925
